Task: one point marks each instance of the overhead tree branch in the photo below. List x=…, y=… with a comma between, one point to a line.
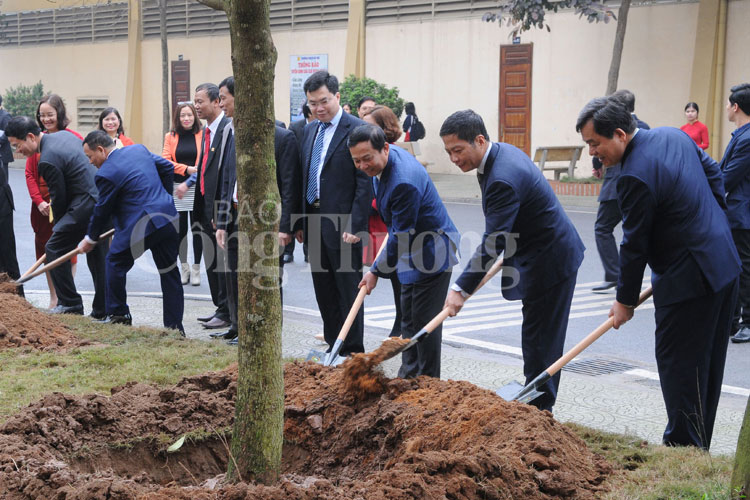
x=214, y=4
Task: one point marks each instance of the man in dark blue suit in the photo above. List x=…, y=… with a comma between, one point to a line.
x=735, y=169
x=672, y=199
x=336, y=206
x=422, y=241
x=524, y=221
x=608, y=215
x=135, y=190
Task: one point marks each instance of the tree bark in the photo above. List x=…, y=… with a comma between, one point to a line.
x=741, y=475
x=614, y=67
x=166, y=121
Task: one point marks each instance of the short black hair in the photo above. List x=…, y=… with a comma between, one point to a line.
x=1, y=100
x=693, y=105
x=320, y=79
x=466, y=125
x=608, y=114
x=364, y=100
x=20, y=126
x=306, y=112
x=740, y=95
x=367, y=132
x=410, y=109
x=98, y=138
x=228, y=82
x=627, y=98
x=106, y=112
x=212, y=91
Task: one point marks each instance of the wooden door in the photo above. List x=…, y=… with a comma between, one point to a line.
x=180, y=82
x=515, y=95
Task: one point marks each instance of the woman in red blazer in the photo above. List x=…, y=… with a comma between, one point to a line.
x=182, y=145
x=697, y=131
x=111, y=122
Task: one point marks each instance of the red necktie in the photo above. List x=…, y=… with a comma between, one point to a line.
x=206, y=148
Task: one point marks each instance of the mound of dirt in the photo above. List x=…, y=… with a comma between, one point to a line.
x=423, y=438
x=23, y=325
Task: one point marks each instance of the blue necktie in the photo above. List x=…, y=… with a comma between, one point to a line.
x=315, y=164
x=375, y=185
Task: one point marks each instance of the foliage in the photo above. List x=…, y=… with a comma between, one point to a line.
x=353, y=89
x=526, y=14
x=23, y=100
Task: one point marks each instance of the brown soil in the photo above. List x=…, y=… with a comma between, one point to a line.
x=419, y=439
x=23, y=325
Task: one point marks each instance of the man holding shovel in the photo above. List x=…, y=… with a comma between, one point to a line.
x=524, y=221
x=422, y=241
x=672, y=200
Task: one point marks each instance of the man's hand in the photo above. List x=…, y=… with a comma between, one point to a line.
x=299, y=236
x=369, y=281
x=181, y=190
x=191, y=170
x=621, y=313
x=284, y=239
x=349, y=238
x=454, y=302
x=221, y=238
x=597, y=172
x=85, y=247
x=44, y=208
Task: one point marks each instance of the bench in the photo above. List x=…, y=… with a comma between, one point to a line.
x=568, y=154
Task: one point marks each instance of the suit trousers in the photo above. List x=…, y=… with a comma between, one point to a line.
x=231, y=277
x=741, y=316
x=214, y=259
x=420, y=303
x=545, y=322
x=691, y=348
x=61, y=243
x=8, y=259
x=164, y=245
x=607, y=217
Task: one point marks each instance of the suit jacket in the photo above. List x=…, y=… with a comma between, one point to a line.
x=205, y=204
x=735, y=169
x=611, y=174
x=543, y=247
x=298, y=127
x=670, y=194
x=6, y=195
x=70, y=180
x=279, y=123
x=6, y=154
x=288, y=173
x=422, y=239
x=135, y=190
x=345, y=191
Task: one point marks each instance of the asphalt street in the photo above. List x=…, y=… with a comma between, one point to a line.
x=488, y=323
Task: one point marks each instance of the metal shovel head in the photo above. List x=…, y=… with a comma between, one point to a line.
x=315, y=356
x=514, y=391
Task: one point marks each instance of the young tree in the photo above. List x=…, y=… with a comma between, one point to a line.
x=259, y=414
x=525, y=14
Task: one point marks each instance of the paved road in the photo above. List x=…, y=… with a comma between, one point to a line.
x=488, y=323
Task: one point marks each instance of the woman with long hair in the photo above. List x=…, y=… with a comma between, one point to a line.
x=697, y=131
x=182, y=145
x=111, y=122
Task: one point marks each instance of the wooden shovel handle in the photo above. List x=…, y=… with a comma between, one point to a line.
x=34, y=267
x=358, y=301
x=591, y=338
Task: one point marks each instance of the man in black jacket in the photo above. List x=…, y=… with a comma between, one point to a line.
x=6, y=155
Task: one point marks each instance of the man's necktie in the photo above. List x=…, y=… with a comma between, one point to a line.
x=315, y=164
x=206, y=150
x=375, y=185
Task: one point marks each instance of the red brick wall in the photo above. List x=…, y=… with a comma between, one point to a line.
x=575, y=188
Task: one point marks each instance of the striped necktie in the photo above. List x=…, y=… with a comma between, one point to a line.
x=315, y=164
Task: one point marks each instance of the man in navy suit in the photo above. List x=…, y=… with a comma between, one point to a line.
x=525, y=221
x=672, y=200
x=422, y=241
x=608, y=215
x=735, y=169
x=135, y=190
x=336, y=207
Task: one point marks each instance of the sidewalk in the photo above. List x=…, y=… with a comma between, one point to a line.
x=607, y=402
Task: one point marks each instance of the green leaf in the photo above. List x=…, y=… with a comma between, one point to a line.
x=177, y=445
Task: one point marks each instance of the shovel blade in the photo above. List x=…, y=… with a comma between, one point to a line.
x=514, y=391
x=316, y=356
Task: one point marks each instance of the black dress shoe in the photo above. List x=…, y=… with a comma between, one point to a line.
x=216, y=323
x=288, y=258
x=228, y=335
x=116, y=319
x=604, y=286
x=98, y=315
x=234, y=341
x=61, y=309
x=742, y=336
x=206, y=319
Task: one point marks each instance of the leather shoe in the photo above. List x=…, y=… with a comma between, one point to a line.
x=206, y=319
x=216, y=323
x=61, y=309
x=742, y=336
x=234, y=341
x=117, y=319
x=98, y=315
x=604, y=286
x=288, y=258
x=228, y=335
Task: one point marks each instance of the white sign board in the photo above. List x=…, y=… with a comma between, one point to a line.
x=300, y=68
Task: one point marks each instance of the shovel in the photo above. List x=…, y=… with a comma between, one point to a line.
x=34, y=267
x=34, y=272
x=516, y=392
x=332, y=358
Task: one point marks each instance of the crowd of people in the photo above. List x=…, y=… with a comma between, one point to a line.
x=682, y=213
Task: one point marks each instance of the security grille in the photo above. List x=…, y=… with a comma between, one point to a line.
x=597, y=367
x=88, y=109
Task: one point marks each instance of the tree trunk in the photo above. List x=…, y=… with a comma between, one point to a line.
x=741, y=475
x=614, y=67
x=259, y=414
x=166, y=119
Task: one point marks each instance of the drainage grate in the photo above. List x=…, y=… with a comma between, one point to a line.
x=597, y=367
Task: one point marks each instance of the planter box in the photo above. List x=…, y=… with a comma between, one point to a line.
x=575, y=188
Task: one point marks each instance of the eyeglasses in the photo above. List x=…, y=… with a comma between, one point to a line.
x=320, y=104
